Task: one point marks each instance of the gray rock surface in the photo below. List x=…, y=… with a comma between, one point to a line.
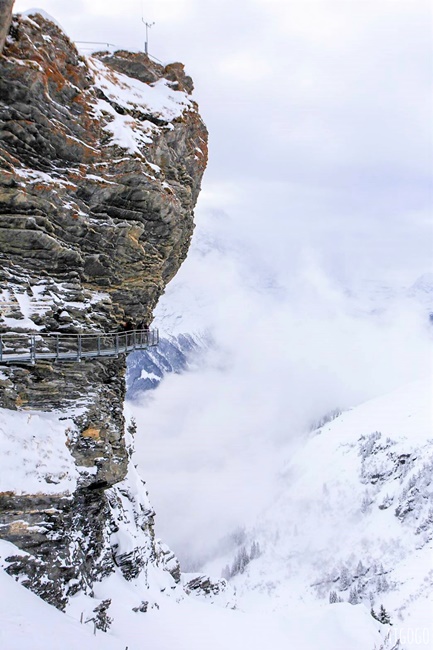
x=6, y=7
x=91, y=230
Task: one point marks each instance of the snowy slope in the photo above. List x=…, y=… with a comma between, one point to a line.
x=36, y=457
x=28, y=622
x=354, y=516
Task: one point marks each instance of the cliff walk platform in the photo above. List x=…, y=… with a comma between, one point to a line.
x=32, y=347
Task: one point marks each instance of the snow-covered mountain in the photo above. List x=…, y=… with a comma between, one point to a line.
x=146, y=369
x=352, y=520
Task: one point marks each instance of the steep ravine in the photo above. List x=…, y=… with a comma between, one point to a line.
x=101, y=161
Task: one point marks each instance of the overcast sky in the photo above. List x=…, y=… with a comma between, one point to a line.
x=319, y=179
x=319, y=114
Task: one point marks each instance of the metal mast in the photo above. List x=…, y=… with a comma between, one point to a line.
x=146, y=42
x=148, y=26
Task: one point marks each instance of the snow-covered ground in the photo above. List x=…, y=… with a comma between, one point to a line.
x=27, y=622
x=34, y=452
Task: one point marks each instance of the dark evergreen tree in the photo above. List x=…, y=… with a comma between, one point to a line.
x=226, y=573
x=333, y=598
x=360, y=570
x=255, y=550
x=354, y=596
x=382, y=583
x=384, y=617
x=243, y=559
x=345, y=579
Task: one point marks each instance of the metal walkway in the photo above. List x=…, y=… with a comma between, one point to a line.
x=29, y=348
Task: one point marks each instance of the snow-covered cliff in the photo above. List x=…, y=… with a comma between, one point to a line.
x=101, y=160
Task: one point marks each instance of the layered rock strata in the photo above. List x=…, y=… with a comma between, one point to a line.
x=101, y=161
x=6, y=7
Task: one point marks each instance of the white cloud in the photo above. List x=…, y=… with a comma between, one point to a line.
x=292, y=344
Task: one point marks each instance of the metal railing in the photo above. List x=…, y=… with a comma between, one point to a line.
x=91, y=43
x=29, y=348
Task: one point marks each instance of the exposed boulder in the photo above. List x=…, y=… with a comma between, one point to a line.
x=203, y=585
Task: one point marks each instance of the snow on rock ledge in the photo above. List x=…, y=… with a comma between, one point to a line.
x=34, y=449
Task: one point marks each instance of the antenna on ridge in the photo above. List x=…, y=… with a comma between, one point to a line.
x=146, y=42
x=148, y=26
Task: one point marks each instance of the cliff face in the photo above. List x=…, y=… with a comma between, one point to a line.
x=5, y=20
x=101, y=161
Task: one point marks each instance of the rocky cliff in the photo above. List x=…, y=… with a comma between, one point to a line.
x=101, y=160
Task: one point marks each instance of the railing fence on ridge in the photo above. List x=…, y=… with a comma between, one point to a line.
x=31, y=347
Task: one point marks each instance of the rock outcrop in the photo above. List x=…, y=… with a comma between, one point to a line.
x=101, y=161
x=6, y=7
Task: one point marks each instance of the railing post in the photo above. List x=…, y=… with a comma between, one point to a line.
x=79, y=347
x=99, y=345
x=134, y=339
x=57, y=347
x=117, y=344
